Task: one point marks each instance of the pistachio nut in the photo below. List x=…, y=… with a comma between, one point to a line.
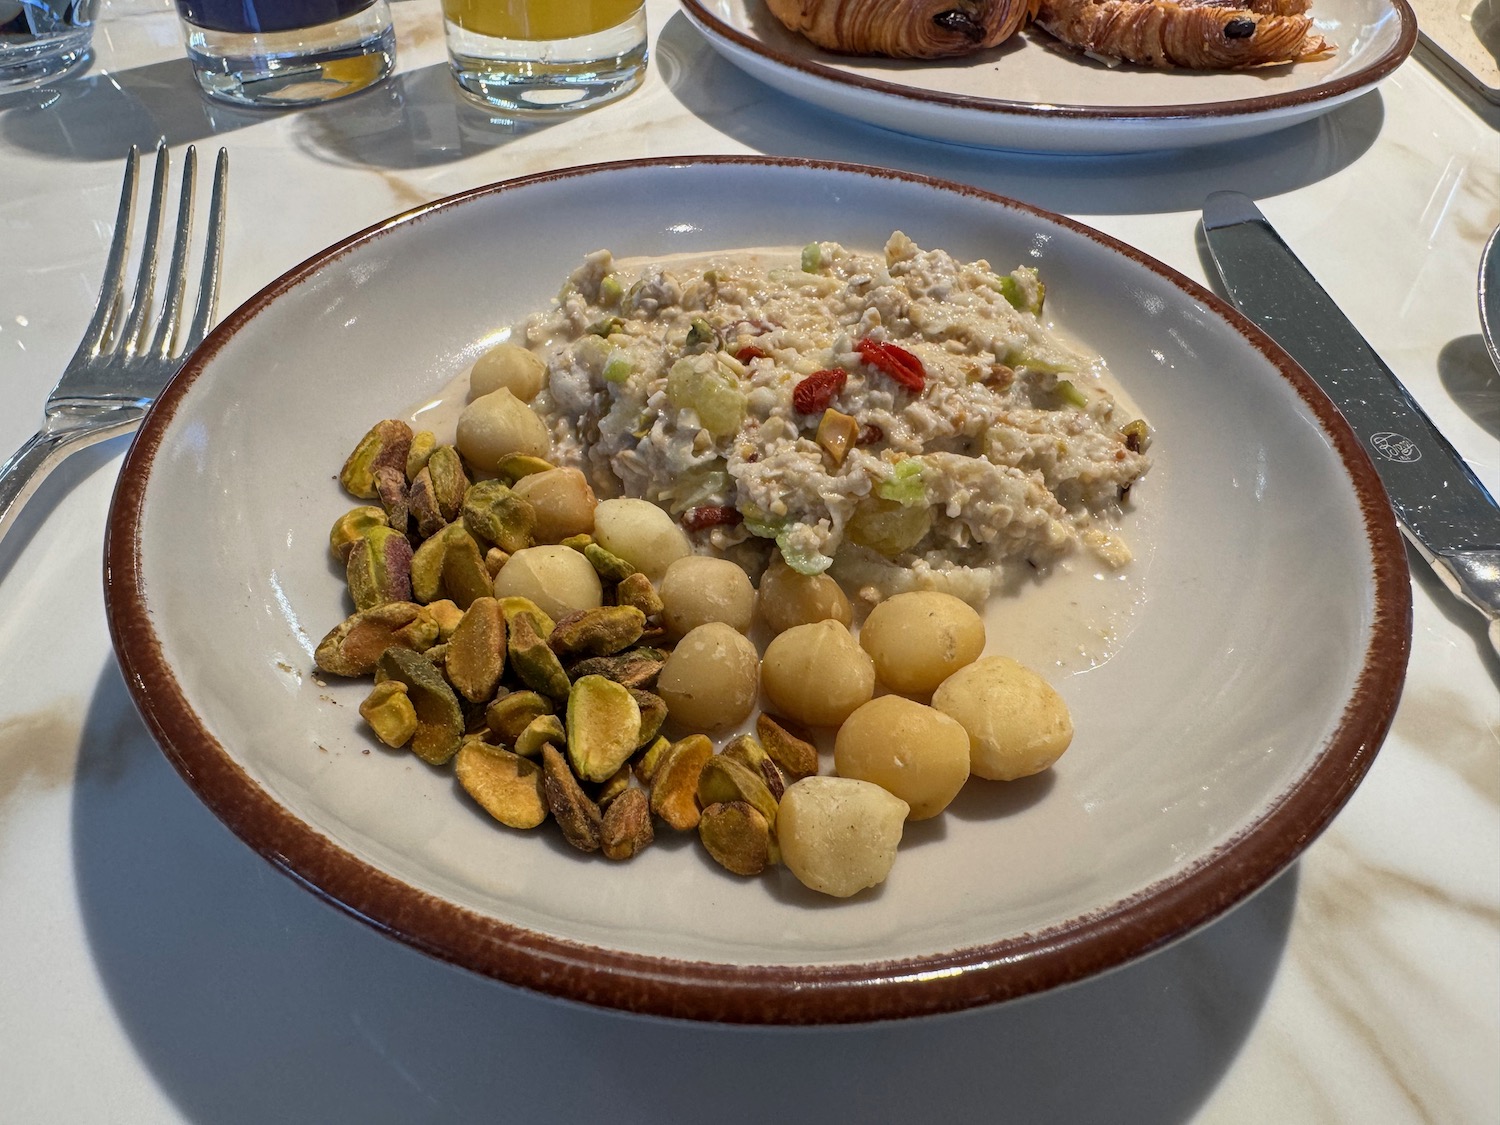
x=626, y=827
x=604, y=727
x=701, y=336
x=506, y=786
x=495, y=514
x=788, y=745
x=674, y=783
x=723, y=780
x=446, y=614
x=576, y=542
x=611, y=567
x=747, y=750
x=421, y=501
x=386, y=445
x=427, y=568
x=449, y=480
x=1136, y=435
x=577, y=816
x=514, y=604
x=389, y=711
x=737, y=836
x=513, y=466
x=534, y=662
x=637, y=667
x=465, y=577
x=423, y=442
x=653, y=713
x=636, y=590
x=494, y=560
x=440, y=720
x=351, y=527
x=649, y=758
x=476, y=651
x=510, y=714
x=612, y=786
x=390, y=488
x=379, y=568
x=538, y=733
x=420, y=635
x=597, y=632
x=353, y=647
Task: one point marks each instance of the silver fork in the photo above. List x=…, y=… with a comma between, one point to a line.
x=128, y=351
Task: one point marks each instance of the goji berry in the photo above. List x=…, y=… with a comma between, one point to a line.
x=896, y=362
x=869, y=434
x=749, y=352
x=710, y=515
x=813, y=394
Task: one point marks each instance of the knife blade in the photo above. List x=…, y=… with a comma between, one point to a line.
x=1442, y=507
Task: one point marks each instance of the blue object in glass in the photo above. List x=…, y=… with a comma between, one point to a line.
x=258, y=17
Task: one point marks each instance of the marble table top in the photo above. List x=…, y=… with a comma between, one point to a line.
x=157, y=970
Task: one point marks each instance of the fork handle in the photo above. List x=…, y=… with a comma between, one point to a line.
x=24, y=472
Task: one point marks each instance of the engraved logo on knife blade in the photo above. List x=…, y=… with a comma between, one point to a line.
x=1394, y=447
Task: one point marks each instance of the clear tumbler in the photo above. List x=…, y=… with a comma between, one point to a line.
x=520, y=55
x=42, y=40
x=280, y=53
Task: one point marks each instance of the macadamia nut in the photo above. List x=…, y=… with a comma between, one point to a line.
x=787, y=598
x=563, y=501
x=817, y=674
x=910, y=750
x=558, y=579
x=698, y=589
x=919, y=639
x=511, y=366
x=640, y=533
x=496, y=425
x=710, y=681
x=839, y=835
x=1018, y=725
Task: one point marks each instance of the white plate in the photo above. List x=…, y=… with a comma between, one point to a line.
x=1239, y=710
x=1031, y=95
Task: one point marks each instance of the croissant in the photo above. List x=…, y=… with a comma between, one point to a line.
x=905, y=29
x=1210, y=35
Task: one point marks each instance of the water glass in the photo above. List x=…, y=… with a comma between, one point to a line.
x=530, y=55
x=42, y=40
x=281, y=53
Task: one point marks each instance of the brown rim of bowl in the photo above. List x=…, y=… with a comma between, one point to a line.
x=764, y=994
x=1370, y=73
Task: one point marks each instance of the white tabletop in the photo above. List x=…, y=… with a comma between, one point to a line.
x=157, y=970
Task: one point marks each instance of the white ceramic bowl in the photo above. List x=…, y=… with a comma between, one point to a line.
x=1238, y=711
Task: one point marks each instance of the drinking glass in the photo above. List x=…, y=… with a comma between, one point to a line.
x=42, y=39
x=524, y=55
x=279, y=53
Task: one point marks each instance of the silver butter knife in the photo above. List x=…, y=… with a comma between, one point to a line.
x=1443, y=509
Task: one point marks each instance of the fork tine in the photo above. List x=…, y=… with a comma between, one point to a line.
x=145, y=279
x=171, y=310
x=213, y=251
x=114, y=265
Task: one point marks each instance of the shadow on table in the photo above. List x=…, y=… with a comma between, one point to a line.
x=417, y=119
x=1145, y=183
x=1470, y=377
x=252, y=1001
x=50, y=493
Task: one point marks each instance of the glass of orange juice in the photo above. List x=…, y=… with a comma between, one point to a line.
x=529, y=55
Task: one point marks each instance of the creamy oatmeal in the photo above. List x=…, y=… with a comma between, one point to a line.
x=904, y=420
